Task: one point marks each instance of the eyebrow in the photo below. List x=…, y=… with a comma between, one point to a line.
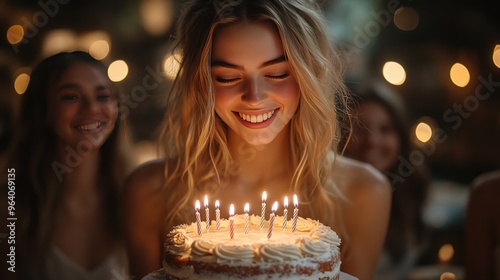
x=75, y=86
x=222, y=63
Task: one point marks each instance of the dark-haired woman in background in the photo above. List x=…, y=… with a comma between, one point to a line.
x=381, y=137
x=68, y=170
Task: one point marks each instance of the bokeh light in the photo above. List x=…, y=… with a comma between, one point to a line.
x=99, y=49
x=156, y=16
x=459, y=75
x=406, y=18
x=21, y=83
x=394, y=73
x=447, y=276
x=423, y=132
x=496, y=56
x=97, y=43
x=15, y=34
x=171, y=65
x=117, y=70
x=59, y=40
x=446, y=253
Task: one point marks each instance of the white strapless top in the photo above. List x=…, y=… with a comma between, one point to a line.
x=58, y=266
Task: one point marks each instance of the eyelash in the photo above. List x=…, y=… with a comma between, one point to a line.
x=226, y=81
x=277, y=78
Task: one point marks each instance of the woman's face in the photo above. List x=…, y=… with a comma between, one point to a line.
x=82, y=107
x=255, y=93
x=375, y=140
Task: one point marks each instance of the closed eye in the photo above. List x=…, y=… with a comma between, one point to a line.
x=278, y=77
x=226, y=81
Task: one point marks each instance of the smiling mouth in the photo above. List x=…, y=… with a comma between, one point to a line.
x=90, y=126
x=256, y=118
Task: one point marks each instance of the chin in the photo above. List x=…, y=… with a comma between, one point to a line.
x=260, y=139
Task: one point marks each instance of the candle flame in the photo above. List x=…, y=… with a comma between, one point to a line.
x=275, y=207
x=247, y=208
x=217, y=204
x=295, y=201
x=197, y=206
x=231, y=210
x=206, y=201
x=264, y=197
x=285, y=203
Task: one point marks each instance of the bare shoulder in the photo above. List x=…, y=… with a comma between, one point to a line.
x=355, y=177
x=486, y=181
x=484, y=190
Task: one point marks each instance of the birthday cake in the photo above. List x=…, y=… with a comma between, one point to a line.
x=247, y=250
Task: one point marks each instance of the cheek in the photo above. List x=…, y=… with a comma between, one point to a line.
x=393, y=143
x=110, y=110
x=60, y=115
x=223, y=99
x=289, y=92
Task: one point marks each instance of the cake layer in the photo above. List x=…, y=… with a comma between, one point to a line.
x=311, y=252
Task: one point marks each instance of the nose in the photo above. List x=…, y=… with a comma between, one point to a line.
x=373, y=138
x=254, y=91
x=90, y=106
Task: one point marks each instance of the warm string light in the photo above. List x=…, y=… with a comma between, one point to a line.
x=271, y=219
x=217, y=215
x=231, y=221
x=198, y=220
x=295, y=212
x=285, y=211
x=263, y=210
x=207, y=213
x=247, y=209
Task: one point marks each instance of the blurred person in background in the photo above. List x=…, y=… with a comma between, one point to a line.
x=381, y=137
x=482, y=231
x=69, y=167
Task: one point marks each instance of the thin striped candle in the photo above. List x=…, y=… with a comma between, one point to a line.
x=217, y=215
x=295, y=213
x=247, y=209
x=231, y=221
x=263, y=210
x=207, y=213
x=198, y=220
x=271, y=219
x=285, y=212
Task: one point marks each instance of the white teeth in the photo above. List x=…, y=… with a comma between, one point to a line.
x=89, y=127
x=256, y=118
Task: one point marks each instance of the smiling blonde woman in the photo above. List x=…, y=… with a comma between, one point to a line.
x=253, y=109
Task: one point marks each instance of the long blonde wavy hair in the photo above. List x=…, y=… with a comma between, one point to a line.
x=195, y=138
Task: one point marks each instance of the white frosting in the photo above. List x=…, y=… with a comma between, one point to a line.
x=279, y=253
x=233, y=253
x=312, y=240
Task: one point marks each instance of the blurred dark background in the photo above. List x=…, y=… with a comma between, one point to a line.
x=426, y=38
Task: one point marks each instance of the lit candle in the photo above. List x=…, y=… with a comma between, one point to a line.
x=217, y=215
x=198, y=221
x=285, y=211
x=295, y=212
x=207, y=213
x=271, y=219
x=263, y=211
x=247, y=209
x=231, y=221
